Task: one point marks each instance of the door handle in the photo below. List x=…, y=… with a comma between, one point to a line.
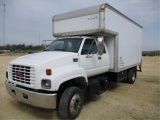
x=99, y=58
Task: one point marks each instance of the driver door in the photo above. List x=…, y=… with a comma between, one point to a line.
x=88, y=58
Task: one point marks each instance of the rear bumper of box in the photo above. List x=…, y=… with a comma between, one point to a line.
x=42, y=100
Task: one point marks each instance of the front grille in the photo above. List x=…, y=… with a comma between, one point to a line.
x=22, y=74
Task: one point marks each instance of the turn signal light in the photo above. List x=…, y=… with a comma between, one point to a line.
x=48, y=72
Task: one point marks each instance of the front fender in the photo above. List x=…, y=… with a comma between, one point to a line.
x=65, y=73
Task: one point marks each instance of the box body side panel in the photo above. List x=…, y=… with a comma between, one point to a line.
x=129, y=39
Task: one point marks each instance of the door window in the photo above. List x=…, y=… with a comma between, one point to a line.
x=89, y=47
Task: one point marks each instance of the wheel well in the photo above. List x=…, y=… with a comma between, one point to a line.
x=79, y=82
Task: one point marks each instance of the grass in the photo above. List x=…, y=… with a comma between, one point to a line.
x=151, y=53
x=26, y=51
x=19, y=52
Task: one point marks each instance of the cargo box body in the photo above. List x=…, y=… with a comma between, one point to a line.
x=123, y=36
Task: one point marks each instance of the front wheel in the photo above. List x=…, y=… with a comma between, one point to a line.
x=71, y=103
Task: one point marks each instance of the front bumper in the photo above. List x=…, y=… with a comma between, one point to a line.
x=42, y=100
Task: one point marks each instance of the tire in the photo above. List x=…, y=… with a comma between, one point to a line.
x=71, y=103
x=131, y=76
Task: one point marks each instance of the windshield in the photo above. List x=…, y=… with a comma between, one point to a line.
x=67, y=45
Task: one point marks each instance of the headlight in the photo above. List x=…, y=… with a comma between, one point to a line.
x=46, y=84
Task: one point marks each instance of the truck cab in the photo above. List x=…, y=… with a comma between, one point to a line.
x=65, y=63
x=88, y=57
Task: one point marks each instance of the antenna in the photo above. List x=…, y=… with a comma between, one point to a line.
x=4, y=27
x=39, y=37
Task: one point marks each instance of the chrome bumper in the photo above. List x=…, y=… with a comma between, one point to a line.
x=42, y=100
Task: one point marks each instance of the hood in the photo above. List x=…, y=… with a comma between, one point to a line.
x=42, y=58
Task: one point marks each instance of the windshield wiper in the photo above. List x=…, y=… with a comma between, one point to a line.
x=59, y=49
x=46, y=50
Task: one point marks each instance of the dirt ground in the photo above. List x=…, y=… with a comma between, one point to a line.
x=140, y=100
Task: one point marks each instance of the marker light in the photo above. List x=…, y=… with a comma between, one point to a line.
x=102, y=8
x=48, y=72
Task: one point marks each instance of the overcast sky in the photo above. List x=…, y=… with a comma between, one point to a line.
x=28, y=20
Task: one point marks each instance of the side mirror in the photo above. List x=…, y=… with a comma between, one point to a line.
x=100, y=45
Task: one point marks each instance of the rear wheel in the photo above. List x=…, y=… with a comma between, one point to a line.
x=131, y=76
x=71, y=103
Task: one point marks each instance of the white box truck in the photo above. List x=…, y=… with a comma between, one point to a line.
x=93, y=46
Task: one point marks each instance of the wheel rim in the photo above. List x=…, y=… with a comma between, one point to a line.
x=75, y=104
x=133, y=77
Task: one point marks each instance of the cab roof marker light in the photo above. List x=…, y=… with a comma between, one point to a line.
x=102, y=8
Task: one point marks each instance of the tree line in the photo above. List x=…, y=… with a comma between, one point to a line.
x=20, y=47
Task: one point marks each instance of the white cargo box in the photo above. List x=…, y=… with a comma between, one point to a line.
x=123, y=36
